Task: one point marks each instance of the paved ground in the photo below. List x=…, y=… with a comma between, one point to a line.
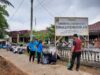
x=21, y=61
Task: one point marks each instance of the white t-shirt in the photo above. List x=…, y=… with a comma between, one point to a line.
x=52, y=50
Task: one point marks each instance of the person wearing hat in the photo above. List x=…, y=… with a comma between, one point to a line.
x=76, y=52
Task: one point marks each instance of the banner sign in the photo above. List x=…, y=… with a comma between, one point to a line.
x=67, y=26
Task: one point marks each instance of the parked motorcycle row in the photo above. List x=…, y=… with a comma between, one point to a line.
x=14, y=48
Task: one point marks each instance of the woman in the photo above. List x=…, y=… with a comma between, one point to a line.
x=39, y=51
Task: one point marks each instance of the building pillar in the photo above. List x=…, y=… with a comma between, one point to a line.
x=17, y=38
x=10, y=39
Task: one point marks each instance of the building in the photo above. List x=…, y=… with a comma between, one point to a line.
x=94, y=30
x=24, y=35
x=20, y=36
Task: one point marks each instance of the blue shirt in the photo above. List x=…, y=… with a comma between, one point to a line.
x=32, y=46
x=36, y=44
x=39, y=49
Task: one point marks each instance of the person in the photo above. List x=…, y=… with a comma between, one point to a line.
x=39, y=51
x=32, y=50
x=28, y=47
x=64, y=43
x=96, y=43
x=76, y=52
x=35, y=45
x=36, y=42
x=52, y=56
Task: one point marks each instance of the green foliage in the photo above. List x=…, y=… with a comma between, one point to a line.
x=3, y=21
x=51, y=32
x=3, y=13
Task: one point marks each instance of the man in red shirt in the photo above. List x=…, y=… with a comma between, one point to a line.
x=76, y=52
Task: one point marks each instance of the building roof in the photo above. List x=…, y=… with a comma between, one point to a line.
x=14, y=33
x=94, y=27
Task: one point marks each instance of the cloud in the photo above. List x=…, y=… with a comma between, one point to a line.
x=85, y=4
x=46, y=10
x=17, y=26
x=95, y=20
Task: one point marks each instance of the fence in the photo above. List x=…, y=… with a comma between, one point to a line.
x=89, y=56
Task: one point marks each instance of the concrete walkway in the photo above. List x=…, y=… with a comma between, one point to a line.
x=21, y=61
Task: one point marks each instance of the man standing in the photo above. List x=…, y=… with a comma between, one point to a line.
x=39, y=51
x=76, y=52
x=32, y=50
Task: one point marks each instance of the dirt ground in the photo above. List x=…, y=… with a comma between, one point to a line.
x=7, y=68
x=92, y=70
x=21, y=62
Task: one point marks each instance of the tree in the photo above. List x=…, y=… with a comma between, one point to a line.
x=51, y=32
x=6, y=2
x=3, y=21
x=3, y=13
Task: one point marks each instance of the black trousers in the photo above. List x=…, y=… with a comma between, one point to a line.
x=52, y=58
x=32, y=56
x=39, y=57
x=74, y=56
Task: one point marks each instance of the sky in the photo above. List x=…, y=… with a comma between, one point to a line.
x=45, y=11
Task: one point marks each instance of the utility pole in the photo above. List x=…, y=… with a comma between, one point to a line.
x=31, y=21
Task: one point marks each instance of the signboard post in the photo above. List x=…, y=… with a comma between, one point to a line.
x=67, y=26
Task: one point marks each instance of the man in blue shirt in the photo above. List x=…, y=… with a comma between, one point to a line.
x=39, y=51
x=32, y=47
x=36, y=43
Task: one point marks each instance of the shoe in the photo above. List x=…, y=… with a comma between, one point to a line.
x=69, y=69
